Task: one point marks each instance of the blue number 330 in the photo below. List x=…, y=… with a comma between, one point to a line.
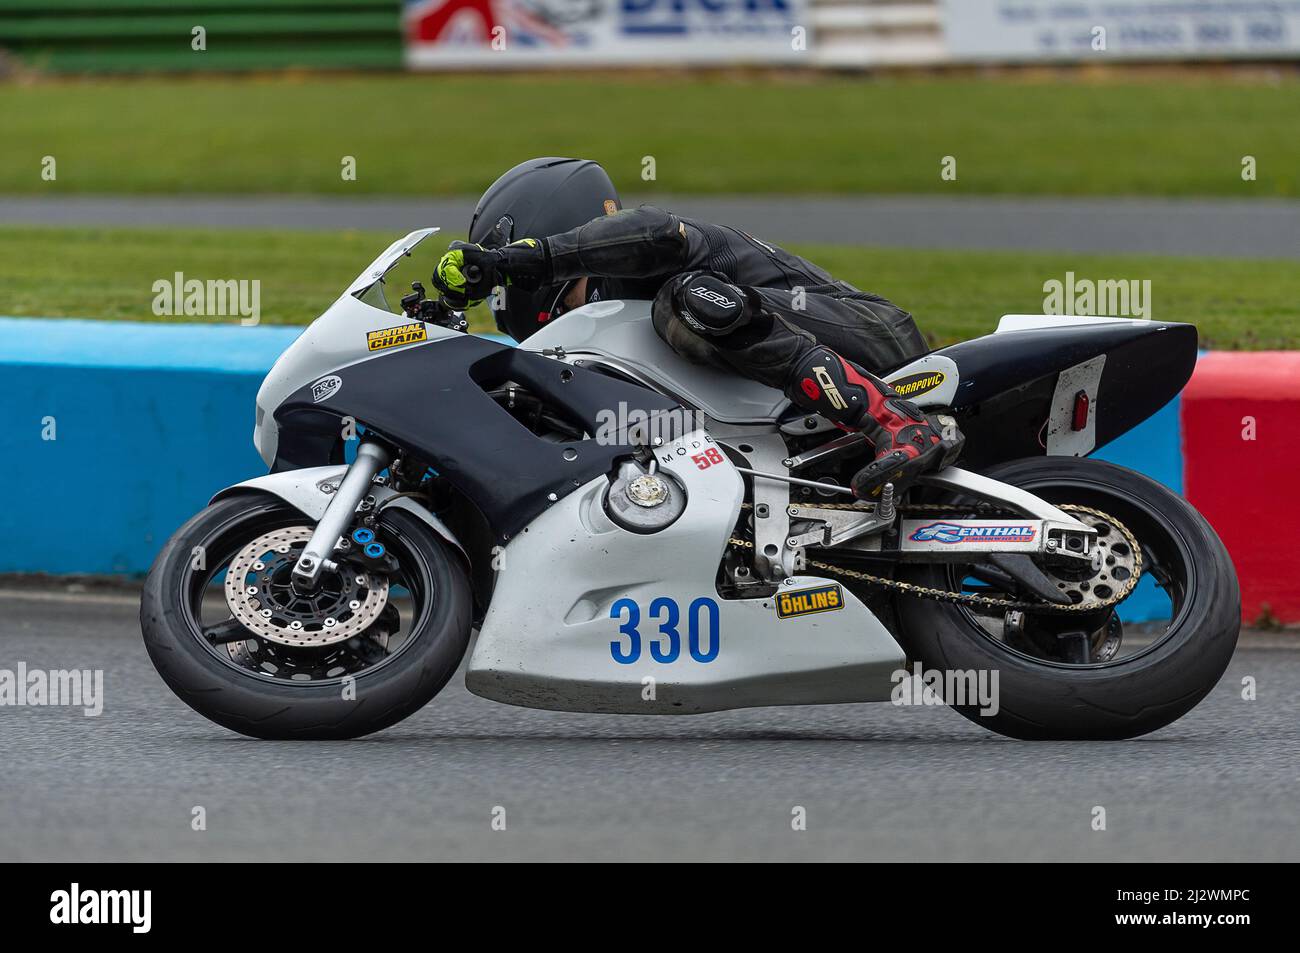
x=702, y=641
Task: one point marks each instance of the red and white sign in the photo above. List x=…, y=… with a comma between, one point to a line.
x=529, y=33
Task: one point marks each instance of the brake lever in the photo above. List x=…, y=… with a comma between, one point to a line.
x=411, y=303
x=443, y=314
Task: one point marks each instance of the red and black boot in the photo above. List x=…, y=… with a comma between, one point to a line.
x=907, y=443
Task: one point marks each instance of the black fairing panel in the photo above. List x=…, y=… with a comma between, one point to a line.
x=1007, y=381
x=432, y=399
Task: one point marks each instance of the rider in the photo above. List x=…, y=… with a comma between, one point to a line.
x=553, y=233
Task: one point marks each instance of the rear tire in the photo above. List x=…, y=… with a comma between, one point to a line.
x=1039, y=699
x=264, y=707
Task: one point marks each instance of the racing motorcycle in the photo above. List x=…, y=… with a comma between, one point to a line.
x=632, y=533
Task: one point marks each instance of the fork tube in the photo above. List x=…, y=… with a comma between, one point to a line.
x=371, y=458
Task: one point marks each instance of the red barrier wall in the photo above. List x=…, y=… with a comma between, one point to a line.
x=1241, y=459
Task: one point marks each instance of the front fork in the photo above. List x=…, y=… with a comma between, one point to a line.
x=338, y=516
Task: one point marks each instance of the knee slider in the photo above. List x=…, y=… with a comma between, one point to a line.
x=709, y=305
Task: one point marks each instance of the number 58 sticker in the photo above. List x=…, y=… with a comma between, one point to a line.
x=708, y=458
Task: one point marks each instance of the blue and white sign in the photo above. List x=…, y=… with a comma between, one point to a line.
x=1077, y=30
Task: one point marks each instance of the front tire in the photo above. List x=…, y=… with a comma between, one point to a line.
x=220, y=682
x=1041, y=698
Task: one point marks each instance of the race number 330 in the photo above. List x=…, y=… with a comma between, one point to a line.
x=702, y=636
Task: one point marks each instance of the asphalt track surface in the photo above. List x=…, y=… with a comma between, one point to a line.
x=877, y=782
x=1215, y=228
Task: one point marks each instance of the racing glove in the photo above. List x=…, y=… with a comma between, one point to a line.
x=467, y=273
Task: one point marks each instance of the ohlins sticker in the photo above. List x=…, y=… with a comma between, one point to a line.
x=325, y=387
x=829, y=389
x=807, y=601
x=918, y=383
x=955, y=533
x=396, y=337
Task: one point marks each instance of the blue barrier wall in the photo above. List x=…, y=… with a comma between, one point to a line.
x=1154, y=447
x=151, y=419
x=148, y=420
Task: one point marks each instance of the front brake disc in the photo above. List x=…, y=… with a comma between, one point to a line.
x=260, y=595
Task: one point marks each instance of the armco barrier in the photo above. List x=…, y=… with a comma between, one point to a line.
x=149, y=420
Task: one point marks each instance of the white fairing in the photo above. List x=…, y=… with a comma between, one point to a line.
x=336, y=339
x=620, y=333
x=311, y=489
x=547, y=640
x=1032, y=322
x=551, y=636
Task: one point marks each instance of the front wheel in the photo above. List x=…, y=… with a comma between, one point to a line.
x=236, y=642
x=1127, y=673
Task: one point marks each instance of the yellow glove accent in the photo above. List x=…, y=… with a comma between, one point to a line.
x=449, y=270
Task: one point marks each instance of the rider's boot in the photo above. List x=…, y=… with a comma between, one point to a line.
x=907, y=443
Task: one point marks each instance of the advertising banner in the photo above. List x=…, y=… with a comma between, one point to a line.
x=530, y=33
x=1020, y=30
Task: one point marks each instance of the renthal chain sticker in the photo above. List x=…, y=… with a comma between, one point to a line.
x=956, y=533
x=918, y=384
x=799, y=602
x=395, y=337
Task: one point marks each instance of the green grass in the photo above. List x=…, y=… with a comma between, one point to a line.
x=109, y=273
x=437, y=135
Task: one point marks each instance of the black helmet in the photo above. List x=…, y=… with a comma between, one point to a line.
x=537, y=198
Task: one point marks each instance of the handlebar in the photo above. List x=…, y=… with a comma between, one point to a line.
x=438, y=311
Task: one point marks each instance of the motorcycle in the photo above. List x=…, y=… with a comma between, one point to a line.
x=632, y=533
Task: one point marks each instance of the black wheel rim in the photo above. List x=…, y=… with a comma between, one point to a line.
x=1166, y=563
x=308, y=666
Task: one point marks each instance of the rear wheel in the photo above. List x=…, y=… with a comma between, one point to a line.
x=234, y=640
x=1105, y=678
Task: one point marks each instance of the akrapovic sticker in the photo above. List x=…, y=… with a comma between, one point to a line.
x=917, y=384
x=395, y=337
x=798, y=602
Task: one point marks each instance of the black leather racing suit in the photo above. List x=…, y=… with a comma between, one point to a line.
x=635, y=253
